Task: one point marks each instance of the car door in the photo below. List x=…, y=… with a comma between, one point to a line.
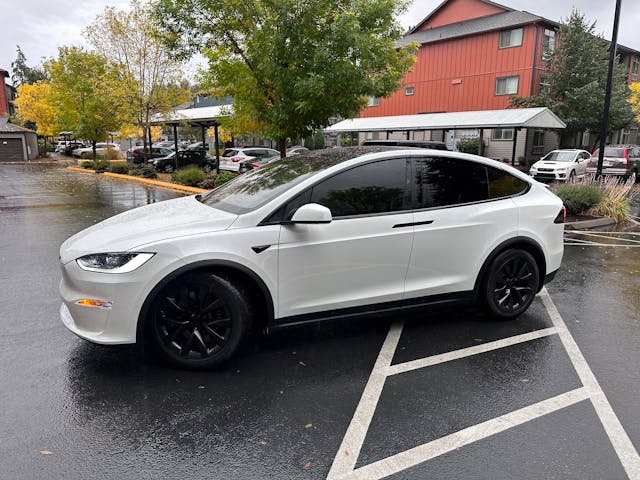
x=462, y=211
x=360, y=257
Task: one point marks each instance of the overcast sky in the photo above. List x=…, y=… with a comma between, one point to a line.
x=41, y=26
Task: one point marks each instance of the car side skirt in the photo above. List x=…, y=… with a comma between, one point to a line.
x=457, y=298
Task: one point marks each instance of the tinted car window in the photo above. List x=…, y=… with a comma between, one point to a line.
x=440, y=182
x=503, y=184
x=377, y=187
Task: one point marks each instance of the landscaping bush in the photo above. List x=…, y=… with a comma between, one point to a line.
x=578, y=198
x=121, y=168
x=111, y=154
x=469, y=145
x=86, y=165
x=223, y=178
x=617, y=196
x=101, y=165
x=189, y=176
x=144, y=171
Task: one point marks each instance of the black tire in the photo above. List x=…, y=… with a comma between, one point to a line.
x=168, y=168
x=198, y=321
x=510, y=284
x=572, y=177
x=207, y=168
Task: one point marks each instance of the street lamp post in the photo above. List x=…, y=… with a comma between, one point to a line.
x=604, y=126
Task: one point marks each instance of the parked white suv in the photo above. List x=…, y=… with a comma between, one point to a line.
x=327, y=234
x=232, y=157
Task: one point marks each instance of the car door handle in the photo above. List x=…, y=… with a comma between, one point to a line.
x=413, y=224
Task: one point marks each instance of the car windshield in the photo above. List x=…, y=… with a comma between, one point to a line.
x=560, y=156
x=257, y=187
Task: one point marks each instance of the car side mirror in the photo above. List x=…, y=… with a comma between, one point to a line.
x=312, y=213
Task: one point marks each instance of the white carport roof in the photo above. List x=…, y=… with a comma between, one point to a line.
x=510, y=118
x=194, y=115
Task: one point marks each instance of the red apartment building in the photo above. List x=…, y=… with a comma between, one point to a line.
x=473, y=55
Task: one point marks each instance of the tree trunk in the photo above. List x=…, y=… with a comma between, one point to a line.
x=282, y=147
x=144, y=143
x=93, y=148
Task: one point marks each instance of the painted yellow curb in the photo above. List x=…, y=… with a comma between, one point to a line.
x=157, y=183
x=146, y=181
x=80, y=169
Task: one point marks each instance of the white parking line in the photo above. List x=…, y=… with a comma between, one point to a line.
x=467, y=352
x=343, y=467
x=619, y=439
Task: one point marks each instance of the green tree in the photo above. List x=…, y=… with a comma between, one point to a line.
x=86, y=92
x=290, y=65
x=22, y=74
x=577, y=75
x=151, y=81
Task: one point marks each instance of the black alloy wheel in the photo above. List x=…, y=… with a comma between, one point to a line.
x=207, y=168
x=199, y=320
x=511, y=284
x=168, y=168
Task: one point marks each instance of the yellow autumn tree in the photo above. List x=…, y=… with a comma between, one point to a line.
x=35, y=105
x=635, y=99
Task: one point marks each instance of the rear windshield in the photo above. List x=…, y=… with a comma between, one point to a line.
x=230, y=153
x=612, y=152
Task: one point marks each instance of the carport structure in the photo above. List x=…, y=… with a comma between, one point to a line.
x=204, y=118
x=515, y=119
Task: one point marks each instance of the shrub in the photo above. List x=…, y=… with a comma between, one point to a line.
x=144, y=171
x=578, y=198
x=223, y=178
x=469, y=145
x=617, y=196
x=121, y=168
x=101, y=165
x=189, y=176
x=111, y=154
x=314, y=141
x=85, y=164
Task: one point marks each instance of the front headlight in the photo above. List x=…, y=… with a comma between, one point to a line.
x=113, y=262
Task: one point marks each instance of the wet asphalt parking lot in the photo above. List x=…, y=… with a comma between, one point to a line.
x=437, y=394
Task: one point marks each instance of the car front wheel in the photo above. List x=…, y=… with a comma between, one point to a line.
x=510, y=284
x=207, y=168
x=198, y=321
x=168, y=168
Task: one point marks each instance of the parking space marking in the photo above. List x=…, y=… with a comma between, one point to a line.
x=467, y=352
x=417, y=455
x=343, y=467
x=625, y=450
x=347, y=456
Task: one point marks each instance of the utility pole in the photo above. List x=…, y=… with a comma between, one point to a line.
x=604, y=126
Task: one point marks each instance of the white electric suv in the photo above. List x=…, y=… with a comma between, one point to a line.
x=327, y=234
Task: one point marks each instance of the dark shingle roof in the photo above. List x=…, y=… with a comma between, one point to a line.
x=488, y=23
x=6, y=127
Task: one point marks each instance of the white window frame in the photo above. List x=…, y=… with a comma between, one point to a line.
x=502, y=134
x=511, y=38
x=409, y=91
x=548, y=44
x=510, y=80
x=544, y=85
x=373, y=101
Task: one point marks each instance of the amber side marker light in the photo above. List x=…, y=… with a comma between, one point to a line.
x=90, y=302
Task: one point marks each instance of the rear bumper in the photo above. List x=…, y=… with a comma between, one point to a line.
x=620, y=172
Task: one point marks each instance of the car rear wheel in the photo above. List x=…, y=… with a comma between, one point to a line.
x=168, y=168
x=207, y=168
x=198, y=321
x=510, y=284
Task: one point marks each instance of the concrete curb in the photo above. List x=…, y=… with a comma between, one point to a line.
x=586, y=224
x=145, y=181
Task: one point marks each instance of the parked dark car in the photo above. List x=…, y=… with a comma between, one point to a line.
x=619, y=160
x=408, y=143
x=136, y=154
x=200, y=158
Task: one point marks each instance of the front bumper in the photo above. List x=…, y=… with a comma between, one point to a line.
x=549, y=176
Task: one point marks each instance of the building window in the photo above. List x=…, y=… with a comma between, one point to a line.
x=634, y=69
x=502, y=134
x=538, y=142
x=408, y=92
x=545, y=86
x=507, y=85
x=511, y=38
x=373, y=101
x=548, y=44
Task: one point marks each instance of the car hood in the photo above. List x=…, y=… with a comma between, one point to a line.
x=548, y=164
x=157, y=221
